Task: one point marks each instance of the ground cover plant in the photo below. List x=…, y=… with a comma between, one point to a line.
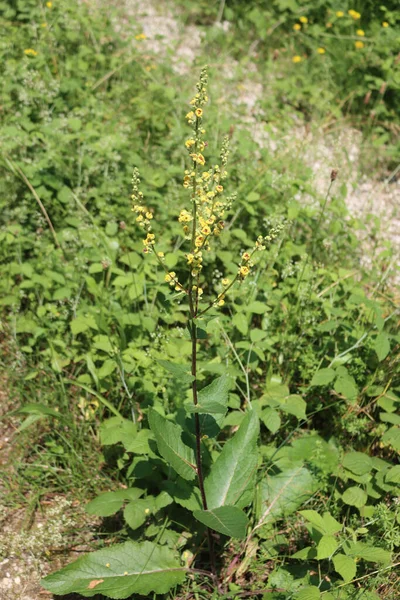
x=282, y=480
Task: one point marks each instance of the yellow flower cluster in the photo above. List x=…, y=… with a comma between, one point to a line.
x=172, y=279
x=354, y=14
x=30, y=52
x=144, y=214
x=359, y=45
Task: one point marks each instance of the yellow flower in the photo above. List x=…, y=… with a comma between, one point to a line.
x=199, y=112
x=206, y=230
x=190, y=258
x=296, y=59
x=321, y=50
x=354, y=14
x=221, y=302
x=339, y=14
x=140, y=36
x=245, y=256
x=30, y=52
x=189, y=143
x=199, y=241
x=49, y=4
x=385, y=24
x=200, y=159
x=43, y=25
x=160, y=254
x=360, y=32
x=190, y=115
x=297, y=26
x=244, y=271
x=169, y=278
x=219, y=189
x=359, y=44
x=225, y=282
x=303, y=20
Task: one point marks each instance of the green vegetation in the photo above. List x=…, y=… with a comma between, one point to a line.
x=232, y=415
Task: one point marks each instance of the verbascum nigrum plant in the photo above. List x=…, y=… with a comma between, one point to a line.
x=215, y=495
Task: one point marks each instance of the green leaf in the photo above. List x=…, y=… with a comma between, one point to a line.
x=271, y=419
x=109, y=503
x=213, y=399
x=115, y=430
x=393, y=475
x=119, y=572
x=170, y=445
x=325, y=524
x=229, y=520
x=382, y=346
x=323, y=377
x=136, y=513
x=257, y=308
x=345, y=566
x=308, y=593
x=294, y=405
x=231, y=476
x=326, y=547
x=39, y=410
x=282, y=494
x=392, y=437
x=180, y=372
x=140, y=444
x=367, y=553
x=346, y=386
x=82, y=324
x=355, y=496
x=357, y=462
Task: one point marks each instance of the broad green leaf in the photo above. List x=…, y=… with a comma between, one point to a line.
x=119, y=572
x=323, y=377
x=357, y=462
x=355, y=496
x=180, y=372
x=136, y=513
x=345, y=566
x=184, y=494
x=229, y=520
x=213, y=399
x=231, y=476
x=310, y=592
x=382, y=345
x=116, y=430
x=347, y=387
x=109, y=503
x=271, y=419
x=367, y=553
x=140, y=444
x=326, y=547
x=282, y=494
x=325, y=524
x=305, y=553
x=294, y=405
x=392, y=437
x=393, y=475
x=257, y=308
x=170, y=445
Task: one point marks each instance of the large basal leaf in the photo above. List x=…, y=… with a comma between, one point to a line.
x=171, y=447
x=282, y=494
x=119, y=571
x=229, y=520
x=231, y=476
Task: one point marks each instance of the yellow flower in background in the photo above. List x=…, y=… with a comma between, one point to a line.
x=49, y=4
x=339, y=14
x=360, y=32
x=30, y=52
x=297, y=27
x=385, y=24
x=140, y=36
x=303, y=20
x=43, y=25
x=354, y=14
x=359, y=45
x=321, y=50
x=296, y=59
x=329, y=25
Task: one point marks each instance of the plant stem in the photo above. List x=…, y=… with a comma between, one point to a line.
x=200, y=475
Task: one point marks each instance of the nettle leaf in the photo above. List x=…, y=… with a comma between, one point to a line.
x=310, y=592
x=109, y=503
x=140, y=444
x=382, y=346
x=171, y=446
x=231, y=476
x=326, y=524
x=180, y=372
x=229, y=520
x=393, y=475
x=347, y=387
x=323, y=377
x=367, y=553
x=358, y=462
x=326, y=547
x=119, y=572
x=271, y=419
x=355, y=496
x=282, y=494
x=136, y=513
x=345, y=566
